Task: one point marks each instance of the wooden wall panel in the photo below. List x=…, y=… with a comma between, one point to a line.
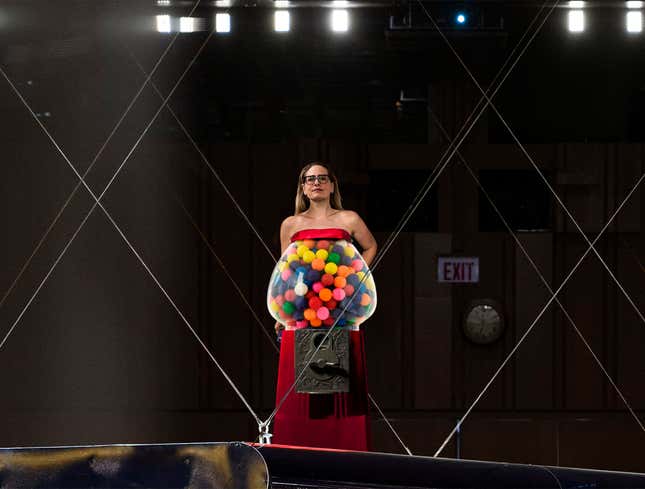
x=535, y=361
x=585, y=302
x=433, y=326
x=580, y=184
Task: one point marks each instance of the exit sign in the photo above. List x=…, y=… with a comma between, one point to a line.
x=458, y=269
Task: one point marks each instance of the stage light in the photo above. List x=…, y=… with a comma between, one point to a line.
x=164, y=3
x=460, y=18
x=186, y=24
x=281, y=21
x=576, y=21
x=634, y=4
x=339, y=21
x=222, y=23
x=634, y=22
x=163, y=23
x=281, y=3
x=576, y=4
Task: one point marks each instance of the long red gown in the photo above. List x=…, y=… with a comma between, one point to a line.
x=323, y=420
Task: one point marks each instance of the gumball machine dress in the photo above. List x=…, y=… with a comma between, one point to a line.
x=321, y=281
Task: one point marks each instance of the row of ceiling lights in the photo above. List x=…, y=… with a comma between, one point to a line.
x=339, y=20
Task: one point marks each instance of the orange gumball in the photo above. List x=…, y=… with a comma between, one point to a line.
x=315, y=322
x=318, y=264
x=325, y=294
x=343, y=271
x=309, y=243
x=310, y=314
x=365, y=300
x=339, y=282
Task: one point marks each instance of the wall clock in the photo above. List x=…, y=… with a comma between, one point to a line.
x=483, y=321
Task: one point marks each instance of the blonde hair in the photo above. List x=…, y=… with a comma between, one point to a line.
x=302, y=201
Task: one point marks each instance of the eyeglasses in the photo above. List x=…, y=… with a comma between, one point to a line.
x=311, y=179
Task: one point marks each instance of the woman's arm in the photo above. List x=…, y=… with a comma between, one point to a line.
x=285, y=233
x=363, y=236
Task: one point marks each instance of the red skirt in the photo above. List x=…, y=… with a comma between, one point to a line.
x=323, y=420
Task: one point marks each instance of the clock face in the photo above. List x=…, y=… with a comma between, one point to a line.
x=483, y=323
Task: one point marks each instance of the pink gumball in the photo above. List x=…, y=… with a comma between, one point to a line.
x=290, y=295
x=339, y=294
x=357, y=265
x=301, y=324
x=286, y=273
x=279, y=300
x=317, y=287
x=322, y=313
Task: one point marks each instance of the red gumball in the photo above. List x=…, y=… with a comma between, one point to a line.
x=329, y=321
x=315, y=303
x=327, y=279
x=331, y=304
x=309, y=295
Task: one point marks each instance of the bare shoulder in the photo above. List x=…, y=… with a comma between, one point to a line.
x=288, y=224
x=350, y=219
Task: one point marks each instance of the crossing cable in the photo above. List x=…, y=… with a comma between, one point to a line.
x=91, y=165
x=464, y=131
x=542, y=278
x=540, y=314
x=97, y=202
x=537, y=169
x=220, y=262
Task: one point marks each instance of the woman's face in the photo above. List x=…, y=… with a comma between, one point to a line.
x=317, y=184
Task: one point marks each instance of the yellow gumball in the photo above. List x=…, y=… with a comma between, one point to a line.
x=301, y=250
x=274, y=306
x=322, y=254
x=308, y=256
x=349, y=251
x=331, y=268
x=282, y=265
x=291, y=258
x=370, y=283
x=360, y=275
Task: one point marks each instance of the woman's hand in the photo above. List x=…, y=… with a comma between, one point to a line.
x=278, y=327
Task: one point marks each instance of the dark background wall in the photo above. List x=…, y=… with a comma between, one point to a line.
x=100, y=356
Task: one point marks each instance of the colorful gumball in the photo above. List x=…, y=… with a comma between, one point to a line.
x=309, y=256
x=309, y=314
x=325, y=294
x=279, y=300
x=286, y=274
x=315, y=322
x=331, y=304
x=302, y=249
x=288, y=308
x=290, y=295
x=310, y=294
x=349, y=251
x=339, y=294
x=322, y=254
x=331, y=268
x=327, y=279
x=322, y=313
x=334, y=258
x=340, y=282
x=322, y=244
x=329, y=321
x=317, y=287
x=301, y=324
x=349, y=290
x=274, y=307
x=365, y=300
x=315, y=303
x=343, y=271
x=309, y=243
x=301, y=303
x=357, y=265
x=318, y=264
x=301, y=288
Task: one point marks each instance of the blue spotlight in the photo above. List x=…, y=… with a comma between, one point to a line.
x=460, y=18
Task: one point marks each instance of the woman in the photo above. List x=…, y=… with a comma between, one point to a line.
x=325, y=420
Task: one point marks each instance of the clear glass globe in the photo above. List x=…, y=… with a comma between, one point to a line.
x=319, y=283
